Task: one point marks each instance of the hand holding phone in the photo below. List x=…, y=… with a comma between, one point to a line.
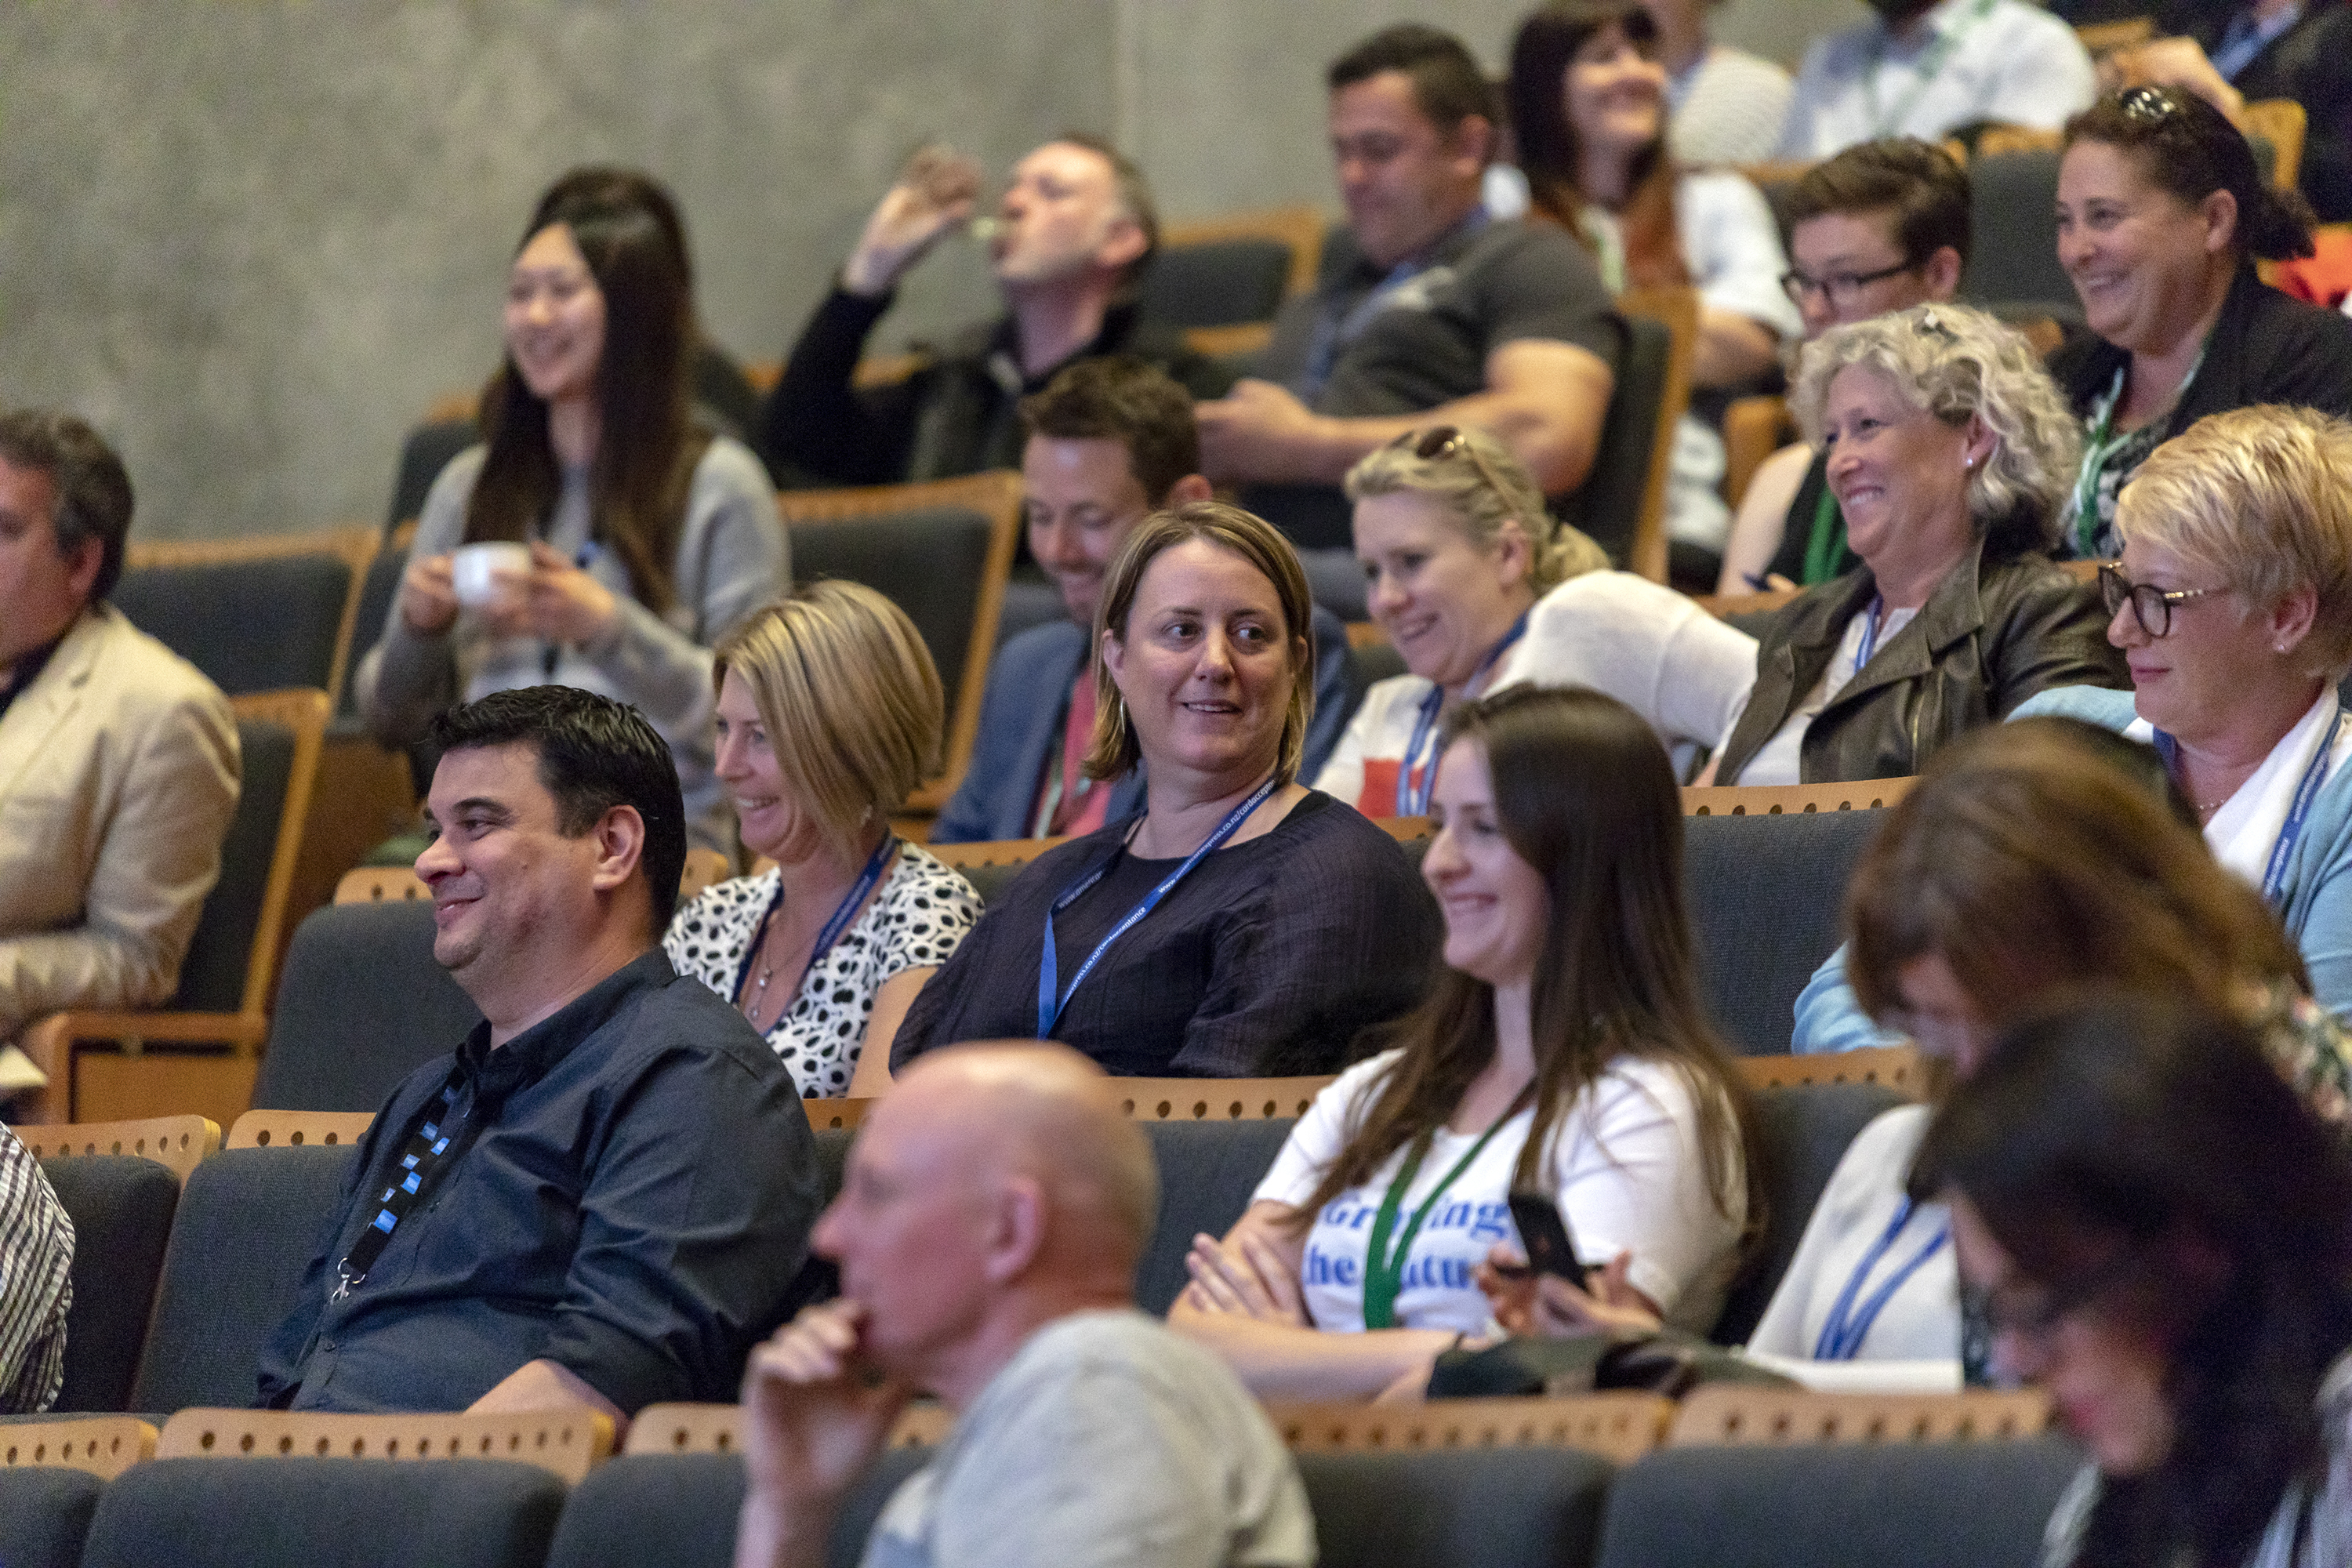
x=1544, y=1235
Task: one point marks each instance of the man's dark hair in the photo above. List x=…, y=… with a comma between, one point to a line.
x=594, y=753
x=1134, y=196
x=93, y=488
x=1447, y=85
x=1120, y=398
x=1916, y=182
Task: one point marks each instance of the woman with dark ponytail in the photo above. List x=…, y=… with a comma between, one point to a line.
x=2162, y=214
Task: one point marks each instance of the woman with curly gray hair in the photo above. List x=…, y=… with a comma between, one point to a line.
x=1950, y=450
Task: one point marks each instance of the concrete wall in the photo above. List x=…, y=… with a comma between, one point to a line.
x=251, y=240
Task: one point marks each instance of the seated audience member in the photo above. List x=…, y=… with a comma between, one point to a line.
x=2232, y=55
x=1244, y=924
x=829, y=715
x=1931, y=68
x=117, y=761
x=987, y=1233
x=1587, y=102
x=1882, y=226
x=1563, y=1051
x=1110, y=441
x=1948, y=449
x=1478, y=589
x=611, y=1179
x=648, y=538
x=2033, y=859
x=37, y=1244
x=1726, y=105
x=1428, y=312
x=1068, y=245
x=2161, y=218
x=2153, y=1228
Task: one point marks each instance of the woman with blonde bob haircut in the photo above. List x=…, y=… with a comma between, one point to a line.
x=1948, y=450
x=829, y=715
x=1478, y=589
x=1242, y=924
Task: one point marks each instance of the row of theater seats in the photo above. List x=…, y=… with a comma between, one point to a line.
x=1734, y=1478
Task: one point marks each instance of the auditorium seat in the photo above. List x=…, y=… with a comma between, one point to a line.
x=361, y=1005
x=1766, y=894
x=1497, y=1508
x=121, y=1206
x=45, y=1515
x=680, y=1509
x=1207, y=1171
x=1608, y=506
x=211, y=603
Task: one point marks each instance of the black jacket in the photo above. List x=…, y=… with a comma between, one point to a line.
x=2311, y=63
x=1991, y=635
x=955, y=415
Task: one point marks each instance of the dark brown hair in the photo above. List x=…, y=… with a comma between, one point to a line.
x=1551, y=155
x=1447, y=85
x=1134, y=194
x=1122, y=398
x=630, y=235
x=2182, y=146
x=93, y=488
x=1915, y=182
x=1586, y=796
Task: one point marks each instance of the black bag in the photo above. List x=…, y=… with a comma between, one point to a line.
x=1665, y=1362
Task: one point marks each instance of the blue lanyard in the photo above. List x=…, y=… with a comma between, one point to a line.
x=1842, y=1334
x=1412, y=800
x=1051, y=999
x=1870, y=632
x=841, y=914
x=2291, y=832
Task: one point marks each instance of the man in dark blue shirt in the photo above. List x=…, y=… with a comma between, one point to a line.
x=602, y=1198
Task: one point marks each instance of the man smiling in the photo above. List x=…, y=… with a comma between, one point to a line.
x=602, y=1198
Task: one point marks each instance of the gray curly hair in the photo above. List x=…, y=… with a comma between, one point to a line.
x=1482, y=485
x=1953, y=362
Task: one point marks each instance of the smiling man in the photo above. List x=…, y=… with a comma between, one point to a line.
x=600, y=1198
x=1109, y=441
x=1070, y=239
x=1428, y=313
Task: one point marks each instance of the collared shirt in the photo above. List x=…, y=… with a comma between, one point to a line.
x=633, y=1205
x=2246, y=38
x=37, y=1244
x=1969, y=62
x=29, y=668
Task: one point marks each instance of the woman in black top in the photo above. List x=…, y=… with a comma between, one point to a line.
x=2161, y=216
x=1244, y=924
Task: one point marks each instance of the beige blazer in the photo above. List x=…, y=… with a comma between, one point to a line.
x=118, y=773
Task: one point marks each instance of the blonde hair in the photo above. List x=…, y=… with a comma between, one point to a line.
x=1952, y=362
x=1229, y=528
x=1481, y=500
x=850, y=698
x=2262, y=498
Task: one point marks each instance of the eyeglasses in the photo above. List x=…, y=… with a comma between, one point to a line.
x=2032, y=1313
x=2151, y=605
x=2148, y=105
x=1839, y=288
x=1441, y=441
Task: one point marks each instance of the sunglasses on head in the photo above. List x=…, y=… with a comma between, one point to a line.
x=1441, y=441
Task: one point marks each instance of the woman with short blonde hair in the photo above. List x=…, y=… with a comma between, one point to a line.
x=829, y=715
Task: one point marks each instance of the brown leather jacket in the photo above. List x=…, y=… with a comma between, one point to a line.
x=1992, y=634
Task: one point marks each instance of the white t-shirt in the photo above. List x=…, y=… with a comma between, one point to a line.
x=1648, y=647
x=1998, y=60
x=2244, y=832
x=1780, y=760
x=1726, y=109
x=1921, y=1318
x=1625, y=1171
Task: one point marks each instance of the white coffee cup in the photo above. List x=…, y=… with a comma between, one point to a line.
x=484, y=575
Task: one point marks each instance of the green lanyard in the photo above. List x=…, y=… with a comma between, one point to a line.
x=1384, y=1266
x=1825, y=547
x=1930, y=64
x=2102, y=443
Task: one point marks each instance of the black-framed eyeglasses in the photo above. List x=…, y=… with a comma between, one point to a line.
x=2151, y=605
x=2033, y=1312
x=1440, y=441
x=1838, y=288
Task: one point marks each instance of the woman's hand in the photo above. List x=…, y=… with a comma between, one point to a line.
x=561, y=603
x=429, y=595
x=1551, y=1308
x=1244, y=1276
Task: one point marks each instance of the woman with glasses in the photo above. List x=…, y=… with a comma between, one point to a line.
x=1563, y=1051
x=2031, y=860
x=2154, y=1225
x=1478, y=589
x=2162, y=214
x=1948, y=451
x=1588, y=117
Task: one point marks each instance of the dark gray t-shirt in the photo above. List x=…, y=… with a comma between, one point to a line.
x=1107, y=1441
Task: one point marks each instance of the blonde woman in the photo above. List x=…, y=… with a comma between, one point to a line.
x=829, y=715
x=1478, y=589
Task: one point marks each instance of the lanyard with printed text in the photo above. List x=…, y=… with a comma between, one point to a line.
x=1411, y=798
x=421, y=1160
x=2313, y=777
x=1842, y=1333
x=1051, y=999
x=833, y=927
x=1384, y=1264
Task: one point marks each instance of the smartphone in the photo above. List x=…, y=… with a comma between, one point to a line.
x=1544, y=1234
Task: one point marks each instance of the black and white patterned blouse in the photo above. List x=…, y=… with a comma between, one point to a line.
x=915, y=921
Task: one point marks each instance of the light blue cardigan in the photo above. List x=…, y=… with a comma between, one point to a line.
x=2318, y=914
